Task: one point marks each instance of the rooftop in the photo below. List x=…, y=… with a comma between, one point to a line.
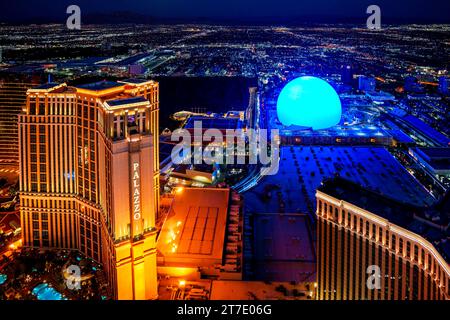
x=437, y=158
x=400, y=136
x=283, y=247
x=194, y=232
x=436, y=153
x=52, y=87
x=382, y=205
x=213, y=122
x=401, y=214
x=135, y=81
x=125, y=101
x=376, y=95
x=427, y=130
x=46, y=86
x=337, y=131
x=303, y=168
x=100, y=85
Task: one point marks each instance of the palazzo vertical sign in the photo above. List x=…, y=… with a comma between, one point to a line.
x=136, y=192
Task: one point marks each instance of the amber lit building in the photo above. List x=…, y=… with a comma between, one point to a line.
x=12, y=100
x=358, y=229
x=89, y=177
x=202, y=235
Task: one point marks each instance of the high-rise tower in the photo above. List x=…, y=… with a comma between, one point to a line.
x=12, y=101
x=89, y=177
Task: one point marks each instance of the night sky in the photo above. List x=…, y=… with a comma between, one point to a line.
x=401, y=10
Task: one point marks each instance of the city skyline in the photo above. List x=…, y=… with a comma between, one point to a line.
x=174, y=151
x=267, y=11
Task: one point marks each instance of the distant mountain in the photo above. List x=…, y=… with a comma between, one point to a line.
x=127, y=17
x=117, y=17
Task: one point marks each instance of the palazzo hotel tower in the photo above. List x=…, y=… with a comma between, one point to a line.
x=89, y=177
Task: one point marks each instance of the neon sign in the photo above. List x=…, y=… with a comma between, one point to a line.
x=136, y=192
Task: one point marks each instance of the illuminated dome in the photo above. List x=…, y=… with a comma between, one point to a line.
x=309, y=102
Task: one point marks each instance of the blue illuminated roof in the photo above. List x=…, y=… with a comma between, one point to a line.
x=400, y=136
x=438, y=153
x=309, y=102
x=212, y=122
x=437, y=158
x=427, y=130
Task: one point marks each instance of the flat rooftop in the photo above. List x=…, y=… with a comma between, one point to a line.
x=384, y=206
x=258, y=290
x=303, y=168
x=357, y=130
x=125, y=101
x=400, y=136
x=52, y=87
x=436, y=153
x=338, y=131
x=430, y=132
x=194, y=232
x=437, y=158
x=46, y=86
x=283, y=248
x=212, y=122
x=100, y=85
x=135, y=80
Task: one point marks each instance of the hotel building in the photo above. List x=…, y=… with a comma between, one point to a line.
x=89, y=177
x=358, y=229
x=12, y=100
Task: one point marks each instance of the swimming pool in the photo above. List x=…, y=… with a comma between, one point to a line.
x=3, y=278
x=44, y=292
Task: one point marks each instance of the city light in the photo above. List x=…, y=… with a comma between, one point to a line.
x=179, y=190
x=240, y=159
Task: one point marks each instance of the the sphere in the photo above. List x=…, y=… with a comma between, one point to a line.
x=309, y=102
